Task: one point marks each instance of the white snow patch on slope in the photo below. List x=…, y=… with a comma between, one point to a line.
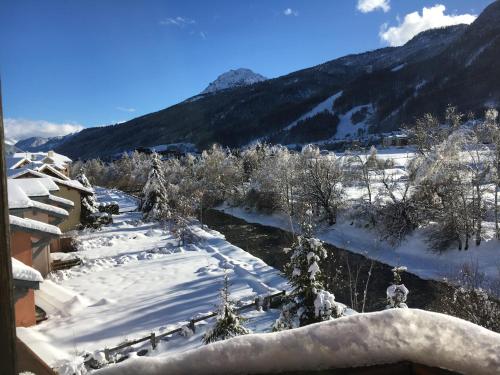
x=346, y=128
x=326, y=105
x=383, y=337
x=476, y=54
x=398, y=68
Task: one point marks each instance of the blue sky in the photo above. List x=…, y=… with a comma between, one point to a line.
x=67, y=64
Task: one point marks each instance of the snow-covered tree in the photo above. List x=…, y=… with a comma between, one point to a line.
x=228, y=322
x=88, y=201
x=309, y=302
x=397, y=292
x=155, y=200
x=322, y=182
x=491, y=131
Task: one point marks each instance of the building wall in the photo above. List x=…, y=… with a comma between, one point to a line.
x=40, y=254
x=24, y=308
x=41, y=259
x=73, y=219
x=20, y=247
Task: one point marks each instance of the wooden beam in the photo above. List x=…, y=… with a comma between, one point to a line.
x=8, y=360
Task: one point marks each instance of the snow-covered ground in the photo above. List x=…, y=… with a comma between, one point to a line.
x=135, y=280
x=385, y=337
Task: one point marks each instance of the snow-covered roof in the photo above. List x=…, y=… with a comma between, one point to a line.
x=68, y=183
x=383, y=337
x=20, y=190
x=14, y=162
x=17, y=198
x=38, y=160
x=21, y=271
x=52, y=210
x=48, y=183
x=31, y=186
x=33, y=225
x=11, y=173
x=39, y=156
x=66, y=202
x=50, y=168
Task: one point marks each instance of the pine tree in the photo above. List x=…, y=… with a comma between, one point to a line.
x=155, y=200
x=228, y=322
x=309, y=302
x=397, y=292
x=88, y=202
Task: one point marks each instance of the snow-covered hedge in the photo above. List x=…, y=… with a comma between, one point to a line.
x=389, y=336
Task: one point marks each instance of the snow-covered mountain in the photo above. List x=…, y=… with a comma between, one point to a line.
x=381, y=90
x=234, y=78
x=10, y=149
x=35, y=144
x=10, y=142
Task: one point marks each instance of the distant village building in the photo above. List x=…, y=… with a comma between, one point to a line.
x=40, y=160
x=395, y=140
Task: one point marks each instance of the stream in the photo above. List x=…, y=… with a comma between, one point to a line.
x=347, y=273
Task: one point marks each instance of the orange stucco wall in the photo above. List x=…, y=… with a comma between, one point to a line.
x=20, y=247
x=25, y=310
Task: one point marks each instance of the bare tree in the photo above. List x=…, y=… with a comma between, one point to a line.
x=322, y=180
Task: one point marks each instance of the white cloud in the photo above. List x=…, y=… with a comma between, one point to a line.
x=415, y=23
x=19, y=129
x=367, y=6
x=290, y=12
x=125, y=109
x=177, y=21
x=203, y=35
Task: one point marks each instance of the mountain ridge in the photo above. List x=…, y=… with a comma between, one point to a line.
x=382, y=90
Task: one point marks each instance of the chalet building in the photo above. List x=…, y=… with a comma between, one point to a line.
x=38, y=161
x=69, y=189
x=26, y=280
x=43, y=190
x=28, y=238
x=33, y=223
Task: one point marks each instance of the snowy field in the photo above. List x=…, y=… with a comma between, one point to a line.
x=135, y=280
x=414, y=251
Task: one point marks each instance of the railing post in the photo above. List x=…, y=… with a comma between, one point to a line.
x=191, y=326
x=8, y=358
x=153, y=340
x=265, y=303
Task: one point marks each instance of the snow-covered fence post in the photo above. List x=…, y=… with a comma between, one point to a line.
x=106, y=354
x=266, y=303
x=153, y=340
x=191, y=326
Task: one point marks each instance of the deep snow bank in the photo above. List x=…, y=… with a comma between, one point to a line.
x=389, y=336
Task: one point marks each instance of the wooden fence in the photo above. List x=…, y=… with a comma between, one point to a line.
x=265, y=302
